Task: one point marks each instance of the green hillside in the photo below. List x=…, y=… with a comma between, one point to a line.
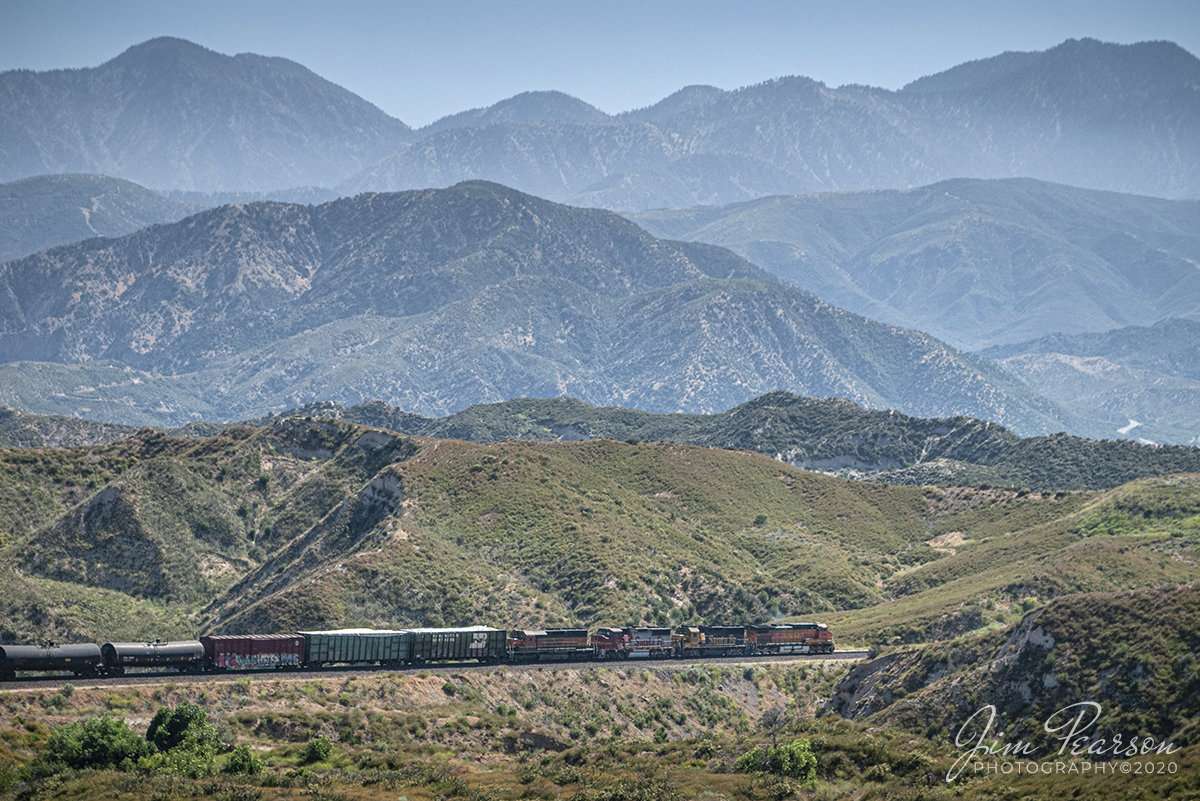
x=1133, y=653
x=309, y=522
x=833, y=436
x=828, y=435
x=21, y=430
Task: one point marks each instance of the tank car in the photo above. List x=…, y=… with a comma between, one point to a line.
x=186, y=656
x=82, y=659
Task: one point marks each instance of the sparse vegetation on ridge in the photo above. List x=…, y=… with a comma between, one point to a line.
x=601, y=531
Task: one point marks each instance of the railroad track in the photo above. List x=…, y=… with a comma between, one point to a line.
x=159, y=677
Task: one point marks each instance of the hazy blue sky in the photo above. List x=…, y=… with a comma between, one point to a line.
x=422, y=60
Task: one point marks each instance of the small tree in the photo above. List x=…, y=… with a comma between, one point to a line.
x=187, y=743
x=772, y=721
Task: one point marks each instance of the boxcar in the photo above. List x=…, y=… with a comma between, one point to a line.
x=697, y=641
x=472, y=642
x=252, y=651
x=83, y=659
x=186, y=656
x=355, y=647
x=528, y=645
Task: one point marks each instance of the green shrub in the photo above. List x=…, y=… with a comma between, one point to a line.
x=316, y=750
x=186, y=726
x=795, y=759
x=96, y=742
x=243, y=760
x=191, y=763
x=187, y=743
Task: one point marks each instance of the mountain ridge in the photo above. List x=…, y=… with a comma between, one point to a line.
x=998, y=257
x=1088, y=113
x=1078, y=113
x=49, y=210
x=136, y=114
x=1144, y=379
x=436, y=299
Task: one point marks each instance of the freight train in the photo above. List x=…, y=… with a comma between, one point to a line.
x=413, y=647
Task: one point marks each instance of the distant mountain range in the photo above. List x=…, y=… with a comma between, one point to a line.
x=172, y=115
x=439, y=299
x=976, y=263
x=1142, y=381
x=1000, y=258
x=50, y=210
x=1085, y=113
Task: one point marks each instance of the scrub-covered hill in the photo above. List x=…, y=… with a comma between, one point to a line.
x=309, y=522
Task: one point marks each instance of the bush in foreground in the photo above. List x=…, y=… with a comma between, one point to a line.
x=794, y=759
x=316, y=750
x=244, y=761
x=94, y=742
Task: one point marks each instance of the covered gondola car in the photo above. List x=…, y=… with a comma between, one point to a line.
x=252, y=651
x=483, y=643
x=700, y=641
x=186, y=656
x=538, y=645
x=792, y=638
x=355, y=647
x=82, y=659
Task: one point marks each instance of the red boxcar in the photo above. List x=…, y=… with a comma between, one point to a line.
x=245, y=651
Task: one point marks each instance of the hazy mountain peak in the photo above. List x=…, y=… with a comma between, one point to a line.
x=161, y=46
x=686, y=99
x=1158, y=62
x=527, y=107
x=171, y=114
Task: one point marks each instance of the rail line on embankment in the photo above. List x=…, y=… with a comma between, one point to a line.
x=350, y=671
